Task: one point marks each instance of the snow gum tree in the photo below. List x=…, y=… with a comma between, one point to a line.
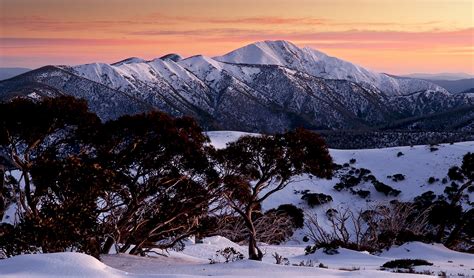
x=254, y=168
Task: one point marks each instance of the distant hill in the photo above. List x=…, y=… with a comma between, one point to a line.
x=6, y=73
x=455, y=86
x=440, y=76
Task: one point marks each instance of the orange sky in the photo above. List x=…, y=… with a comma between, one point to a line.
x=395, y=36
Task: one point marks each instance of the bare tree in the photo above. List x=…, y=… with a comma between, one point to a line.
x=363, y=229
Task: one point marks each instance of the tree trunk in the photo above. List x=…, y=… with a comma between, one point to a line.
x=3, y=202
x=109, y=242
x=136, y=250
x=454, y=235
x=125, y=247
x=254, y=252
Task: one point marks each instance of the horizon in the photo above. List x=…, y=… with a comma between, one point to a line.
x=405, y=37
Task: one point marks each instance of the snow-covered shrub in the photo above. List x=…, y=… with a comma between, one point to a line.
x=405, y=263
x=398, y=177
x=316, y=199
x=226, y=255
x=279, y=259
x=385, y=189
x=362, y=193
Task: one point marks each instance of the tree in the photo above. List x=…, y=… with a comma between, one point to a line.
x=45, y=141
x=456, y=192
x=162, y=181
x=254, y=168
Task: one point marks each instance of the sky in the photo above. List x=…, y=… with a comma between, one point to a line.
x=394, y=36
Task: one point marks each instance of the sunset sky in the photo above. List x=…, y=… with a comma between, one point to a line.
x=399, y=36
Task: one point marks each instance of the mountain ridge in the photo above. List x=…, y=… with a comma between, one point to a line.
x=278, y=88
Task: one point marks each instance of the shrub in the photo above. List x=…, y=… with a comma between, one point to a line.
x=229, y=254
x=352, y=161
x=385, y=189
x=363, y=193
x=364, y=172
x=316, y=199
x=405, y=263
x=398, y=177
x=347, y=181
x=330, y=212
x=368, y=178
x=296, y=214
x=431, y=180
x=400, y=154
x=425, y=199
x=279, y=259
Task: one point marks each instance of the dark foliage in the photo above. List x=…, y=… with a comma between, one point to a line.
x=143, y=180
x=398, y=177
x=405, y=263
x=385, y=189
x=296, y=214
x=255, y=164
x=316, y=199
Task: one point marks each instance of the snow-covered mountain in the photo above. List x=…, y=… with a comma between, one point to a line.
x=266, y=87
x=319, y=64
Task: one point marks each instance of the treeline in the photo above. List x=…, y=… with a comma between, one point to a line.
x=138, y=182
x=385, y=139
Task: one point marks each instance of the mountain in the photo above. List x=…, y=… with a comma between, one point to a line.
x=440, y=76
x=267, y=86
x=6, y=73
x=318, y=64
x=455, y=86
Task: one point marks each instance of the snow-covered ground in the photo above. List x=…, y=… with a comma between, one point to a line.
x=417, y=163
x=193, y=262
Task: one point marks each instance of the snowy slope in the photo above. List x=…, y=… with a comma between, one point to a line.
x=417, y=164
x=314, y=62
x=193, y=262
x=382, y=163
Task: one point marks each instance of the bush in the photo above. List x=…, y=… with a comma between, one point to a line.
x=347, y=181
x=385, y=189
x=431, y=180
x=296, y=214
x=398, y=177
x=229, y=254
x=352, y=161
x=405, y=263
x=399, y=154
x=368, y=178
x=316, y=199
x=362, y=193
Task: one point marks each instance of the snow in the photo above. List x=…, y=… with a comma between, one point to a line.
x=56, y=265
x=382, y=162
x=192, y=262
x=317, y=63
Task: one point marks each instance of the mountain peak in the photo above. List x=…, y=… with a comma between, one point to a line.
x=172, y=56
x=130, y=60
x=263, y=52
